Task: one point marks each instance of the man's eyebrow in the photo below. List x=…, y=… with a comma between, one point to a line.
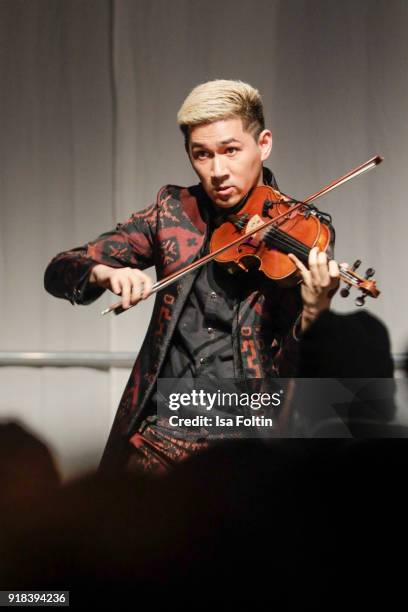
x=223, y=142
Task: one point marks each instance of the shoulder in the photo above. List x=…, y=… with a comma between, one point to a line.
x=172, y=197
x=167, y=197
x=178, y=205
x=177, y=192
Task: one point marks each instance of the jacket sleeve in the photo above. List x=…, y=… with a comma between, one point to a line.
x=286, y=358
x=130, y=244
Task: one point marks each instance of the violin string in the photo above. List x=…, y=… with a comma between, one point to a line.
x=352, y=279
x=283, y=239
x=280, y=238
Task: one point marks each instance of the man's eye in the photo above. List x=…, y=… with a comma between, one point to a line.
x=201, y=154
x=232, y=150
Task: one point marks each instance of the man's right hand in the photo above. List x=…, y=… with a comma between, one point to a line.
x=132, y=284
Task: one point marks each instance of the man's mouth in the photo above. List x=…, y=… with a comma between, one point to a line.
x=224, y=190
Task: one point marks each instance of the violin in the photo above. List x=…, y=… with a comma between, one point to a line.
x=268, y=227
x=294, y=230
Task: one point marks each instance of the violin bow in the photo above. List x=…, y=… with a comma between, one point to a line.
x=348, y=275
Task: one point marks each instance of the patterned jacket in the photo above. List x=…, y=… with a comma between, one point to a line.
x=170, y=234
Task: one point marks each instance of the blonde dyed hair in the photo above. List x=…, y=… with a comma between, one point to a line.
x=222, y=99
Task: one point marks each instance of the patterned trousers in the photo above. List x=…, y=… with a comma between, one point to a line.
x=156, y=449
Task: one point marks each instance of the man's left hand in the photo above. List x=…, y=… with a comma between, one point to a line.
x=320, y=283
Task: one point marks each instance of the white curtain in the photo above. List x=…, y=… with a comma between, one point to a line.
x=90, y=91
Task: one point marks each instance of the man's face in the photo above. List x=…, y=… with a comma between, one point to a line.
x=227, y=159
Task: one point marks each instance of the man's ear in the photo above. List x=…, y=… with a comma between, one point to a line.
x=265, y=143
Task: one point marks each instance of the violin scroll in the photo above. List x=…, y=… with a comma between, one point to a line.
x=367, y=285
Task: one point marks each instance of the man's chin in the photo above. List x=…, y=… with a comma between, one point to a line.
x=227, y=202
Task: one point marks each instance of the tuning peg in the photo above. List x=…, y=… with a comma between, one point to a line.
x=360, y=300
x=345, y=292
x=369, y=273
x=356, y=265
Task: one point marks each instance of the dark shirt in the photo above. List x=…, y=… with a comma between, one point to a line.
x=202, y=342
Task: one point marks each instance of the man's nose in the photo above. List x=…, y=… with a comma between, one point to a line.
x=219, y=170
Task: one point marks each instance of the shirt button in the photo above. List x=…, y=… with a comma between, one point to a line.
x=210, y=330
x=213, y=295
x=203, y=360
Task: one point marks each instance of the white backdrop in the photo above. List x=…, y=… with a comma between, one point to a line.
x=90, y=91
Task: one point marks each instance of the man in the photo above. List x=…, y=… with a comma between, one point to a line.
x=208, y=323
